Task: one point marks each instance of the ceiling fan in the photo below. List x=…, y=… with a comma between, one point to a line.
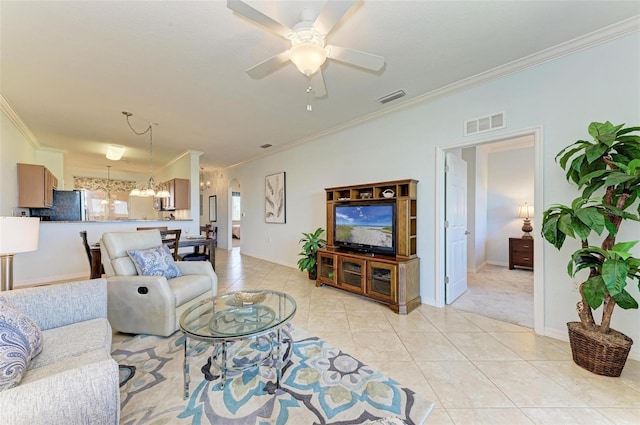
x=308, y=51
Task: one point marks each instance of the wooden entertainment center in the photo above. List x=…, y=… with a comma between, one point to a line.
x=393, y=280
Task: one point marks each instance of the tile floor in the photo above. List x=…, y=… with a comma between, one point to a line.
x=477, y=370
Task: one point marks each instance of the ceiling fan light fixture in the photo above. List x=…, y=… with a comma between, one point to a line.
x=114, y=153
x=308, y=57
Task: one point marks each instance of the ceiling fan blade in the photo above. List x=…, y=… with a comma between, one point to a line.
x=258, y=17
x=268, y=66
x=317, y=84
x=355, y=57
x=331, y=15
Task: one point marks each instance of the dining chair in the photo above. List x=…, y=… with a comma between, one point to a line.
x=87, y=248
x=171, y=239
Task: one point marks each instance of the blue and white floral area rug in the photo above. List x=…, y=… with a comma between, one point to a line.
x=320, y=385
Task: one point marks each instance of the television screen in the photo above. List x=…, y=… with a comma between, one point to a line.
x=366, y=227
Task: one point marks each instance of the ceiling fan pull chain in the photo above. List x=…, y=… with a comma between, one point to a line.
x=309, y=107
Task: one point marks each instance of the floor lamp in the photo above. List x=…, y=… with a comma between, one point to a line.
x=17, y=234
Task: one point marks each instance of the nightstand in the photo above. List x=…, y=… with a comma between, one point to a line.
x=520, y=253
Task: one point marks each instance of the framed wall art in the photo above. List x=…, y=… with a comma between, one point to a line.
x=213, y=208
x=275, y=198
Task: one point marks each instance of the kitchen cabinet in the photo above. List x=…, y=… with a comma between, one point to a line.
x=35, y=186
x=178, y=195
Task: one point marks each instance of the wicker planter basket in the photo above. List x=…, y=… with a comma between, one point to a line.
x=602, y=354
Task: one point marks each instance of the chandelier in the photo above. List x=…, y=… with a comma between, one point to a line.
x=203, y=184
x=150, y=189
x=107, y=199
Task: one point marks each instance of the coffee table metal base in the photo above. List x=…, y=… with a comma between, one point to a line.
x=220, y=352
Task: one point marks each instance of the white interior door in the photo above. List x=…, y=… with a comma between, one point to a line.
x=456, y=227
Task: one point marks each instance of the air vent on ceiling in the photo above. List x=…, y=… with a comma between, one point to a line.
x=392, y=96
x=482, y=124
x=265, y=146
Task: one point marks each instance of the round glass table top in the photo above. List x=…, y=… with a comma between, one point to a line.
x=239, y=314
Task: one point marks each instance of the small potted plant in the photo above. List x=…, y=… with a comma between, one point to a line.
x=312, y=242
x=607, y=170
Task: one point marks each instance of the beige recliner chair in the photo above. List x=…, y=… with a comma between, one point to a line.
x=150, y=304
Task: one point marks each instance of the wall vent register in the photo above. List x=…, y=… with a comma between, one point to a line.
x=482, y=124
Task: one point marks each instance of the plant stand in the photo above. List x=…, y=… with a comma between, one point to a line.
x=602, y=354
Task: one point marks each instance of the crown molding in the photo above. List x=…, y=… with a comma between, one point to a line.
x=600, y=36
x=17, y=121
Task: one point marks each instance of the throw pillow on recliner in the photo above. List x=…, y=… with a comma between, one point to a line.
x=20, y=342
x=156, y=261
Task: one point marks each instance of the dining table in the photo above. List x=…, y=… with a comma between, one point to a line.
x=96, y=256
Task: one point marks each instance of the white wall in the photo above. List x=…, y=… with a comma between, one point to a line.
x=510, y=184
x=563, y=96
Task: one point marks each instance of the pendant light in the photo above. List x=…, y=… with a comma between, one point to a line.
x=150, y=189
x=108, y=198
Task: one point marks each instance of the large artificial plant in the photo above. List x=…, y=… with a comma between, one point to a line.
x=607, y=170
x=311, y=243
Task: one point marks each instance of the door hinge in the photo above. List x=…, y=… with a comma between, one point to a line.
x=446, y=168
x=446, y=224
x=446, y=279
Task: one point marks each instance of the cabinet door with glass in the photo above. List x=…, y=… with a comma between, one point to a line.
x=351, y=274
x=381, y=281
x=326, y=268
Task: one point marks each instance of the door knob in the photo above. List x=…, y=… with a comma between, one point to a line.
x=466, y=232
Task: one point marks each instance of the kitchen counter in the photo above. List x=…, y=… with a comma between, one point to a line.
x=117, y=221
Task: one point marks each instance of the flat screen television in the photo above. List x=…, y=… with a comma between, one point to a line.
x=366, y=227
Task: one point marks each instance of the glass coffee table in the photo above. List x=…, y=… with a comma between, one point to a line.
x=235, y=317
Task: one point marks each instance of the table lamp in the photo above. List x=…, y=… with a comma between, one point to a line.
x=17, y=234
x=526, y=212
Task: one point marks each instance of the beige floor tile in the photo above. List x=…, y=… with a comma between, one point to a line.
x=367, y=321
x=412, y=322
x=326, y=305
x=565, y=416
x=480, y=346
x=462, y=385
x=327, y=321
x=563, y=345
x=430, y=346
x=527, y=386
x=439, y=417
x=594, y=390
x=383, y=345
x=327, y=292
x=448, y=319
x=491, y=325
x=353, y=302
x=621, y=416
x=505, y=416
x=631, y=374
x=529, y=346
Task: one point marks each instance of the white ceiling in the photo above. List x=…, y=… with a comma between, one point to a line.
x=68, y=68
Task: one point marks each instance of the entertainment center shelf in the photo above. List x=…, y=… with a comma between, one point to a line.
x=380, y=275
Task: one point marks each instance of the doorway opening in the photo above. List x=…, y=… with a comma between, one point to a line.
x=492, y=222
x=236, y=213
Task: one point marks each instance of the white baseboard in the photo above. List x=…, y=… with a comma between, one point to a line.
x=497, y=263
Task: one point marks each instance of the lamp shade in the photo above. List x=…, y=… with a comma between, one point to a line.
x=18, y=234
x=525, y=211
x=307, y=57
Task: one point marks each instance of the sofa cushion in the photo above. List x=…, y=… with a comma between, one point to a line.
x=63, y=364
x=156, y=261
x=73, y=340
x=187, y=287
x=20, y=341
